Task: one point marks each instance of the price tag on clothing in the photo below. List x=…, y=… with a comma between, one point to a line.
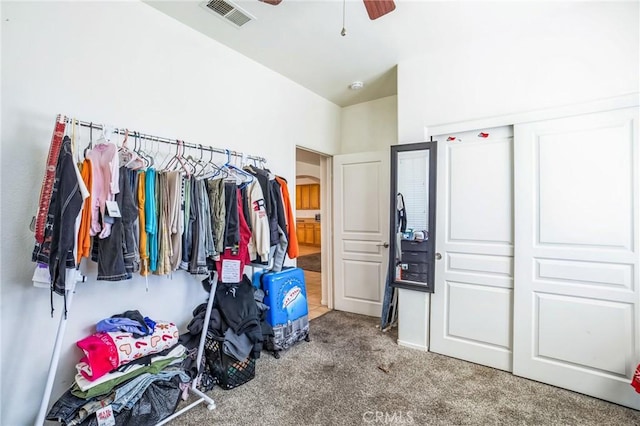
x=230, y=271
x=105, y=416
x=112, y=209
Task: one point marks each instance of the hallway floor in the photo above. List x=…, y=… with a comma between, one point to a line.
x=313, y=281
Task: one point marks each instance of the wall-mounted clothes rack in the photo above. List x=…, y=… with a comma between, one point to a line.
x=153, y=139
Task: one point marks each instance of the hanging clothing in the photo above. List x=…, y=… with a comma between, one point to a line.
x=163, y=267
x=205, y=218
x=292, y=248
x=105, y=171
x=176, y=218
x=216, y=192
x=245, y=206
x=232, y=224
x=110, y=252
x=276, y=192
x=84, y=236
x=46, y=191
x=260, y=237
x=401, y=213
x=66, y=202
x=129, y=213
x=60, y=234
x=266, y=184
x=242, y=251
x=142, y=240
x=189, y=218
x=280, y=249
x=135, y=225
x=151, y=224
x=199, y=202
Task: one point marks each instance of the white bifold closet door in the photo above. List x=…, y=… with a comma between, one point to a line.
x=577, y=260
x=472, y=305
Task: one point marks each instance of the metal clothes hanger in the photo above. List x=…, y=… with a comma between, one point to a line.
x=89, y=146
x=215, y=169
x=178, y=160
x=193, y=162
x=238, y=172
x=147, y=158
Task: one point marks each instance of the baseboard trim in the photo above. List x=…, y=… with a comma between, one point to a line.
x=412, y=346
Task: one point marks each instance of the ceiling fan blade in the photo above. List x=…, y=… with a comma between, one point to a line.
x=378, y=8
x=272, y=2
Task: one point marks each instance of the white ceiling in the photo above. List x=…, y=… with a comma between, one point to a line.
x=301, y=40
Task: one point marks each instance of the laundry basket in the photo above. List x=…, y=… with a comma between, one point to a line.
x=226, y=371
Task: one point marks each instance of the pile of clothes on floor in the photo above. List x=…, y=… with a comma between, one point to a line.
x=133, y=366
x=235, y=335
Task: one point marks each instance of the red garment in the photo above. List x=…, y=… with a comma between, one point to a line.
x=292, y=249
x=47, y=182
x=635, y=382
x=101, y=354
x=243, y=246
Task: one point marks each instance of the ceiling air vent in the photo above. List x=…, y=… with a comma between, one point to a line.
x=230, y=12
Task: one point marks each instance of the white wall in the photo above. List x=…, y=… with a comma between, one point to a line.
x=370, y=126
x=506, y=58
x=518, y=57
x=126, y=64
x=306, y=169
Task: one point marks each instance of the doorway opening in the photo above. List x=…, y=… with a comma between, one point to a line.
x=312, y=222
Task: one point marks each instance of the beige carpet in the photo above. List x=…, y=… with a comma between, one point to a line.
x=335, y=380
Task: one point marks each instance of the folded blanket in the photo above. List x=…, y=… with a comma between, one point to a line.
x=106, y=351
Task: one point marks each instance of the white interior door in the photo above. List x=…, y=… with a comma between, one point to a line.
x=577, y=259
x=361, y=229
x=471, y=308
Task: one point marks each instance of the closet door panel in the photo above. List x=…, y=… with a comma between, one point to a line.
x=585, y=187
x=577, y=296
x=471, y=308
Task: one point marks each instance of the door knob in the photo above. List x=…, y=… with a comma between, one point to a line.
x=385, y=245
x=438, y=256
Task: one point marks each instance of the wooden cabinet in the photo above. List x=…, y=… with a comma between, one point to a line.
x=314, y=197
x=308, y=232
x=300, y=232
x=305, y=203
x=316, y=234
x=308, y=197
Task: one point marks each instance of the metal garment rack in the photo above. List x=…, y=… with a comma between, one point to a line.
x=55, y=356
x=211, y=405
x=151, y=138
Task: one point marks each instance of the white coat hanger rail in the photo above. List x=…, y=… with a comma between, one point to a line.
x=123, y=130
